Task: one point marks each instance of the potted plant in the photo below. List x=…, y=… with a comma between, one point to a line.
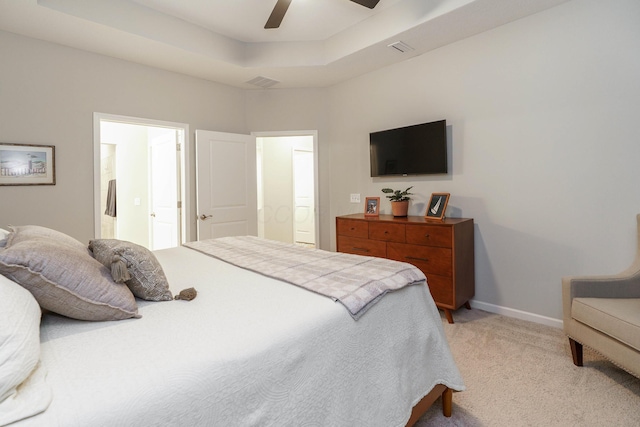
x=399, y=200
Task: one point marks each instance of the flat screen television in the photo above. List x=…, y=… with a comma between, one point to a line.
x=411, y=150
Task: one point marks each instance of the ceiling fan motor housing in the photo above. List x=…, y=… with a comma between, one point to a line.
x=279, y=10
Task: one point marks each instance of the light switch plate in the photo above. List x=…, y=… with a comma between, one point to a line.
x=355, y=198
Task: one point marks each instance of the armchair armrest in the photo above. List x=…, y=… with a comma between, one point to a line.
x=612, y=286
x=622, y=285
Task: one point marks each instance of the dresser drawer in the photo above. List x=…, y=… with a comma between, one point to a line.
x=429, y=259
x=429, y=235
x=389, y=232
x=349, y=227
x=355, y=245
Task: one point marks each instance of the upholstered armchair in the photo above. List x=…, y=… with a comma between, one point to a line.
x=603, y=313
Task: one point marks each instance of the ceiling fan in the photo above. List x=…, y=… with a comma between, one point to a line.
x=282, y=5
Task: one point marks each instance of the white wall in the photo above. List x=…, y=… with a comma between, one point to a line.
x=546, y=145
x=132, y=181
x=132, y=173
x=107, y=173
x=48, y=94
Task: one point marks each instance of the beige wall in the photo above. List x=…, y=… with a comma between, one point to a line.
x=545, y=145
x=299, y=110
x=277, y=172
x=543, y=115
x=544, y=121
x=48, y=94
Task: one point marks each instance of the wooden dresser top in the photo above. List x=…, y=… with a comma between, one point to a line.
x=406, y=219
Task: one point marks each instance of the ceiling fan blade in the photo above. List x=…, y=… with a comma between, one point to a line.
x=277, y=14
x=367, y=3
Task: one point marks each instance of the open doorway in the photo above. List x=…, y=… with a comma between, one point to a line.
x=287, y=186
x=139, y=180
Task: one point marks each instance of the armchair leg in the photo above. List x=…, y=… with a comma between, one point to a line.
x=576, y=352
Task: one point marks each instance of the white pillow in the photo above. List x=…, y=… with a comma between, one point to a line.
x=3, y=237
x=23, y=391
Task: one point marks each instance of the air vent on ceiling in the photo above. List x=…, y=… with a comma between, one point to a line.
x=263, y=82
x=401, y=46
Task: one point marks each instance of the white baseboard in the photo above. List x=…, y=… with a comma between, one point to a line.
x=518, y=314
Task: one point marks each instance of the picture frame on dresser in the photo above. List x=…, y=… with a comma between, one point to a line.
x=437, y=206
x=372, y=207
x=27, y=164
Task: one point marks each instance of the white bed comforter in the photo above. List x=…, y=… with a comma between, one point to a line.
x=248, y=351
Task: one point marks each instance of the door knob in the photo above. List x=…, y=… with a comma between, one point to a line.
x=203, y=216
x=153, y=214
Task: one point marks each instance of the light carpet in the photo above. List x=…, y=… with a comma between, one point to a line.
x=520, y=373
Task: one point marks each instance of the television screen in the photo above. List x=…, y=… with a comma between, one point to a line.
x=411, y=150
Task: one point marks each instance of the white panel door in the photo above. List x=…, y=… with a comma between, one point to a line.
x=304, y=230
x=226, y=185
x=165, y=213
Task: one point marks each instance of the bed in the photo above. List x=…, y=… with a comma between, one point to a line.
x=248, y=350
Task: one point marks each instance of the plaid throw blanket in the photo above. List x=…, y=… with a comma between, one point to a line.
x=356, y=281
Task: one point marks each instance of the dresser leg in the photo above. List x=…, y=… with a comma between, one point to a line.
x=467, y=305
x=447, y=313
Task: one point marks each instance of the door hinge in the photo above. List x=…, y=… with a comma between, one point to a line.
x=178, y=146
x=179, y=204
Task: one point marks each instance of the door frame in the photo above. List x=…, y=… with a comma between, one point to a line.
x=316, y=191
x=185, y=172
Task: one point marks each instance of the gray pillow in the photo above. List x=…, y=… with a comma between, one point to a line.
x=4, y=234
x=27, y=232
x=65, y=279
x=145, y=277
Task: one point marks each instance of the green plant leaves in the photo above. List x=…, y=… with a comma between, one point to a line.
x=398, y=195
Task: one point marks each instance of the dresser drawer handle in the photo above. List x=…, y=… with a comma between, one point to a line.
x=352, y=228
x=427, y=236
x=417, y=259
x=360, y=249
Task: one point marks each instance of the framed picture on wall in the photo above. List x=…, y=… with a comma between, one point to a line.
x=437, y=206
x=26, y=164
x=372, y=206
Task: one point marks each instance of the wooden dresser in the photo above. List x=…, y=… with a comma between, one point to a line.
x=443, y=250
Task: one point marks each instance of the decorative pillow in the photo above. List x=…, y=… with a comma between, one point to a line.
x=65, y=280
x=23, y=391
x=27, y=232
x=3, y=237
x=135, y=265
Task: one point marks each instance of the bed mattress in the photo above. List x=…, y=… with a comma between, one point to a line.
x=248, y=351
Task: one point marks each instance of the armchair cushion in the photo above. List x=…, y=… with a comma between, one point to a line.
x=618, y=318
